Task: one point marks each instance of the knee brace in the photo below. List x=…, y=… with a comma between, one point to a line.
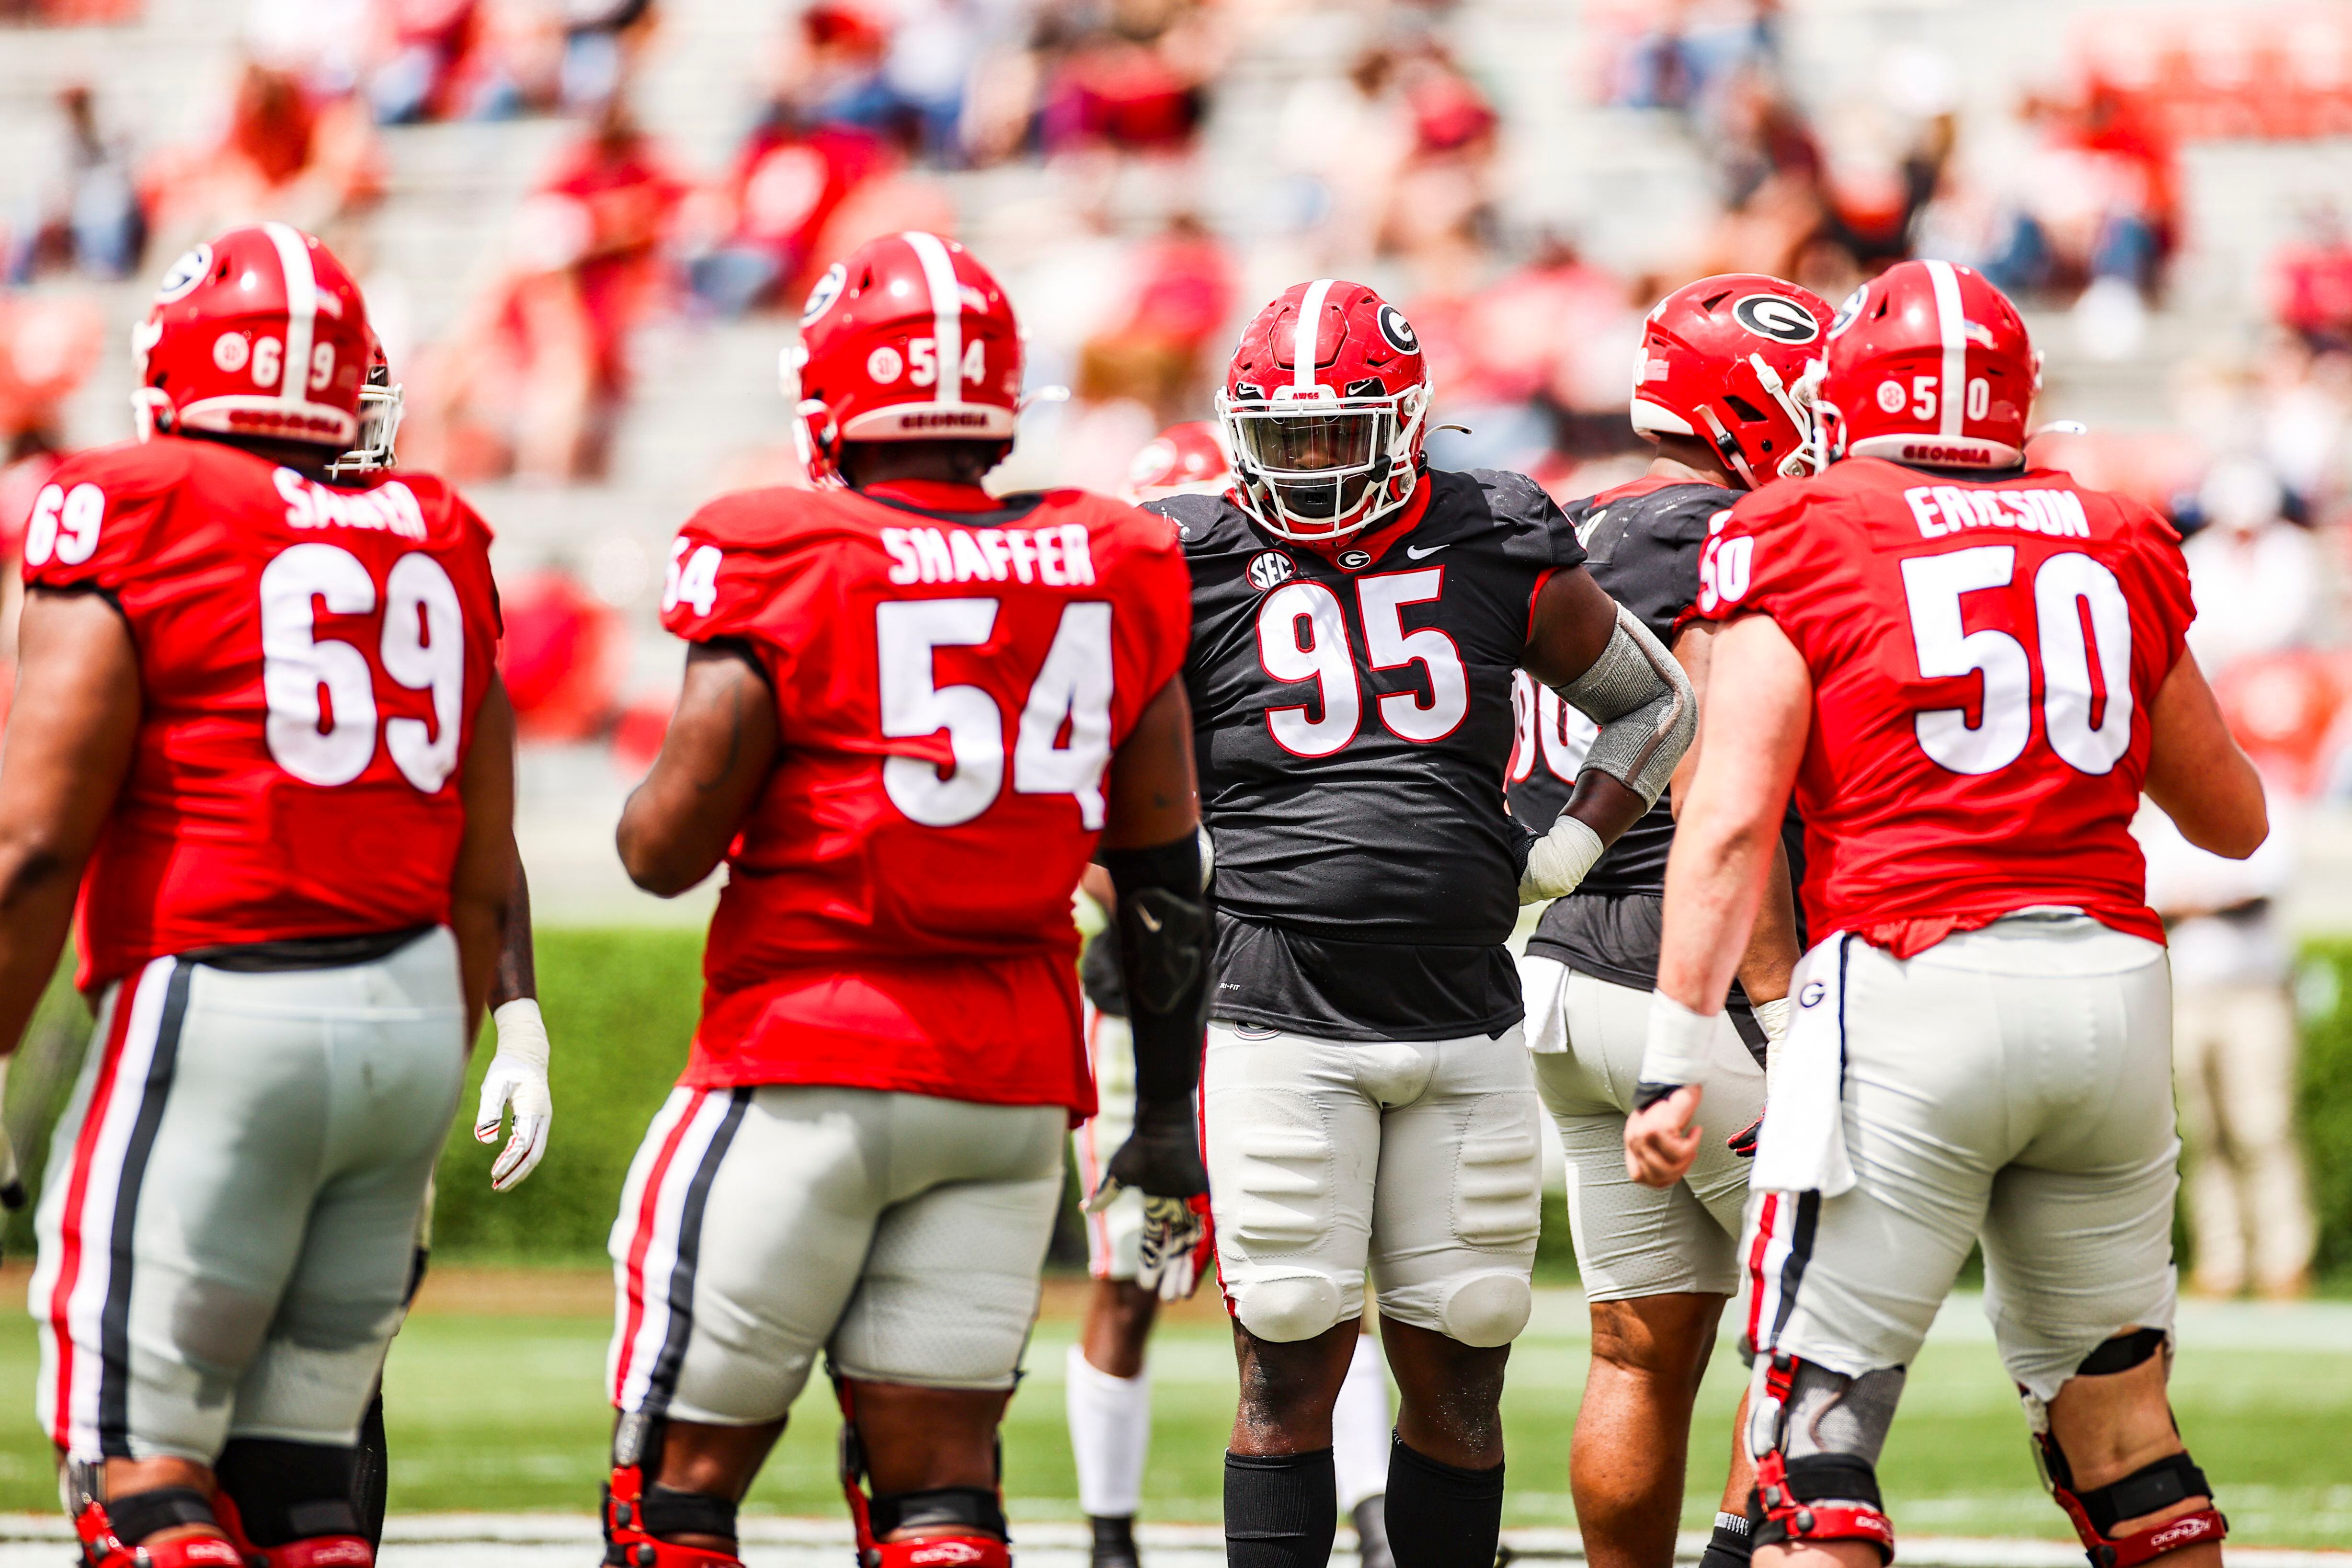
x=641, y=1514
x=114, y=1533
x=1488, y=1310
x=1815, y=1435
x=1285, y=1311
x=2095, y=1513
x=289, y=1505
x=966, y=1524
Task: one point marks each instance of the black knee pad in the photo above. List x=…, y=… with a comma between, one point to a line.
x=286, y=1493
x=2122, y=1353
x=1816, y=1498
x=666, y=1513
x=958, y=1509
x=138, y=1515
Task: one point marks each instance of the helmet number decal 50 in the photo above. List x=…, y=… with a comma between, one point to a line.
x=1072, y=693
x=1302, y=635
x=2086, y=706
x=422, y=648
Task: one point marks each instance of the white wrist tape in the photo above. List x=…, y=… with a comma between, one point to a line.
x=522, y=1033
x=1773, y=1017
x=1557, y=861
x=1679, y=1042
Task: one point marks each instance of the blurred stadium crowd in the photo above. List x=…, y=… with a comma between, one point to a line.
x=1076, y=144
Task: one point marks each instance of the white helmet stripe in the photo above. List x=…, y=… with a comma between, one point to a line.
x=1952, y=321
x=947, y=312
x=301, y=309
x=1310, y=334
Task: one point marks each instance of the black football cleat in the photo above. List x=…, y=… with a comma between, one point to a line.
x=1114, y=1542
x=1371, y=1518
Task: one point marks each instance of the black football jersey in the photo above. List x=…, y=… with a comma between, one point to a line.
x=1641, y=543
x=1352, y=725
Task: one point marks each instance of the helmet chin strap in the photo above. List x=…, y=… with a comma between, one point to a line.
x=1727, y=448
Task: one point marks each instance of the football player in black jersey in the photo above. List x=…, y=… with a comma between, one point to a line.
x=1108, y=1388
x=1718, y=388
x=1366, y=1099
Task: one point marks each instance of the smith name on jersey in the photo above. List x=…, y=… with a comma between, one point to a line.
x=1352, y=723
x=952, y=674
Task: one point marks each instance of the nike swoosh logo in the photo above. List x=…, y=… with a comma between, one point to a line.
x=1420, y=554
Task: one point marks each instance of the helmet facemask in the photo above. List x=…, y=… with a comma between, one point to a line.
x=1322, y=467
x=380, y=412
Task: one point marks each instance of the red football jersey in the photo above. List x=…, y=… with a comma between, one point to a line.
x=952, y=674
x=310, y=658
x=1984, y=658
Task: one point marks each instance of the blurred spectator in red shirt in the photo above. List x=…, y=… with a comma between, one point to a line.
x=1157, y=347
x=2099, y=200
x=2311, y=285
x=533, y=381
x=1137, y=84
x=282, y=156
x=788, y=181
x=86, y=217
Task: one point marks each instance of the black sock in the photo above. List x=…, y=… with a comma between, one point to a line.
x=1281, y=1511
x=1114, y=1537
x=1728, y=1547
x=1439, y=1516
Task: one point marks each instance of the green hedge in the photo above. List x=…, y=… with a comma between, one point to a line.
x=621, y=1007
x=2326, y=993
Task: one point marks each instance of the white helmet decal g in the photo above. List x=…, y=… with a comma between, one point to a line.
x=1776, y=317
x=1398, y=330
x=828, y=289
x=1848, y=313
x=185, y=274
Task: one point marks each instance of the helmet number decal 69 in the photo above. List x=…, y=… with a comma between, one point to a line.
x=1060, y=741
x=1302, y=635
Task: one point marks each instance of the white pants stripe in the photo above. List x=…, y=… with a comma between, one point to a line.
x=80, y=1290
x=658, y=1237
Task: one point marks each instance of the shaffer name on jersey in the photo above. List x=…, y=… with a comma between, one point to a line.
x=1058, y=557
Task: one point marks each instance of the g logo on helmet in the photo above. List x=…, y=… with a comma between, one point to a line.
x=1398, y=331
x=1891, y=396
x=884, y=366
x=828, y=289
x=185, y=274
x=1773, y=316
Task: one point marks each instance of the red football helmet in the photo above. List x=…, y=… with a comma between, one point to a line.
x=380, y=411
x=1928, y=363
x=1185, y=459
x=910, y=339
x=1723, y=359
x=261, y=334
x=1323, y=409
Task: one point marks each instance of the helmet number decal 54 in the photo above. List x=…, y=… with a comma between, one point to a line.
x=1302, y=635
x=1072, y=693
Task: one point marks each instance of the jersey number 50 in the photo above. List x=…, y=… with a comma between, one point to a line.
x=2086, y=715
x=422, y=648
x=1071, y=692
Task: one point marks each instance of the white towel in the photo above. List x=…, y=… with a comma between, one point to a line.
x=1802, y=1146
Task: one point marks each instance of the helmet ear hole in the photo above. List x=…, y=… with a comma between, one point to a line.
x=1745, y=409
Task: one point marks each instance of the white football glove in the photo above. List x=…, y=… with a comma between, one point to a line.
x=517, y=1080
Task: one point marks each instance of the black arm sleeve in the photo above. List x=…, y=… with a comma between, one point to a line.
x=1163, y=939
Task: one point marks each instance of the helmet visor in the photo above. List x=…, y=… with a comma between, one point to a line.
x=1286, y=442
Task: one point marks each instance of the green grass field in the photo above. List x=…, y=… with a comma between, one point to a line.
x=501, y=1412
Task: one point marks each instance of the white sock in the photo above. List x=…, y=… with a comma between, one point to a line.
x=1360, y=1427
x=1110, y=1432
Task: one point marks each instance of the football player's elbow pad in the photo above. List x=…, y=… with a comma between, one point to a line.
x=1643, y=704
x=1163, y=948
